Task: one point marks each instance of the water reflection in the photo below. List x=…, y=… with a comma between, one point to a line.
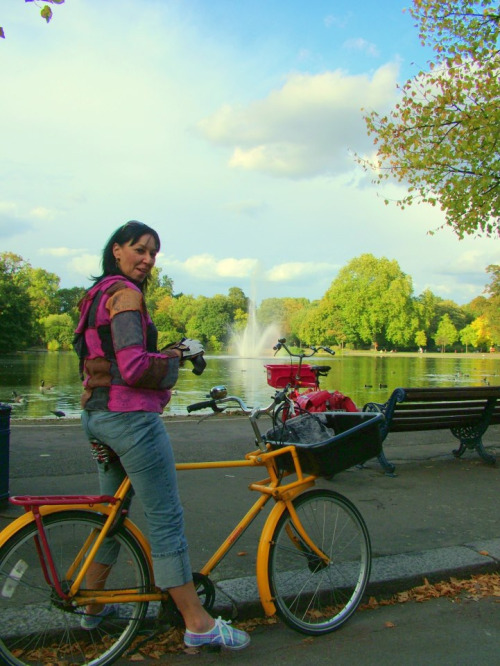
x=363, y=378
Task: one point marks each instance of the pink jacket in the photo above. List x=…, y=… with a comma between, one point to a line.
x=117, y=344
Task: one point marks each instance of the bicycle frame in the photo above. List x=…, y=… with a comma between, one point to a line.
x=111, y=506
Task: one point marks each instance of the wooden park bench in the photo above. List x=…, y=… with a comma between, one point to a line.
x=467, y=411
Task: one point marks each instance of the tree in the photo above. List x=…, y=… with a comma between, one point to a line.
x=17, y=318
x=68, y=300
x=468, y=336
x=421, y=339
x=159, y=286
x=446, y=333
x=492, y=312
x=442, y=138
x=281, y=312
x=482, y=329
x=42, y=289
x=213, y=319
x=58, y=331
x=238, y=300
x=45, y=12
x=371, y=302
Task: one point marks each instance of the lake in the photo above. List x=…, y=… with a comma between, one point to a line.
x=362, y=377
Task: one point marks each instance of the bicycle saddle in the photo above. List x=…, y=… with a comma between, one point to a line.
x=321, y=370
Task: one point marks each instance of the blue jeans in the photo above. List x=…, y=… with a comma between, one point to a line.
x=146, y=456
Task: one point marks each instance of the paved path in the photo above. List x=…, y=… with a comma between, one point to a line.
x=437, y=517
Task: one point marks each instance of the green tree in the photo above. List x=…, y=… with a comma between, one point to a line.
x=240, y=320
x=421, y=339
x=68, y=300
x=281, y=312
x=42, y=289
x=468, y=336
x=372, y=301
x=458, y=315
x=213, y=319
x=426, y=308
x=238, y=300
x=492, y=311
x=442, y=138
x=446, y=333
x=58, y=331
x=17, y=318
x=159, y=286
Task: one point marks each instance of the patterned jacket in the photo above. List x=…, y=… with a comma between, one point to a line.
x=116, y=341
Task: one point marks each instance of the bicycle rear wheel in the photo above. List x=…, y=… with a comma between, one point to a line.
x=36, y=627
x=313, y=596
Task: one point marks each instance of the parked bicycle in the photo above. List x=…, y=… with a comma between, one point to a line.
x=313, y=558
x=304, y=380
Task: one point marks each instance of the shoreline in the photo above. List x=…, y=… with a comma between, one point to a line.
x=75, y=419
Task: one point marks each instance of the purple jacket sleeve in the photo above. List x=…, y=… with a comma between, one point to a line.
x=138, y=367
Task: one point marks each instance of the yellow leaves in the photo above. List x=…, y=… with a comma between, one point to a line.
x=46, y=13
x=477, y=587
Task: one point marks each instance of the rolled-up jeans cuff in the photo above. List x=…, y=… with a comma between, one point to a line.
x=172, y=569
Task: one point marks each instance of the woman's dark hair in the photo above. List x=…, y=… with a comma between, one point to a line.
x=129, y=234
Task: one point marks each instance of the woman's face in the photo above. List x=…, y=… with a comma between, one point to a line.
x=137, y=259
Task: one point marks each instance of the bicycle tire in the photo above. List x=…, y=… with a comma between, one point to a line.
x=310, y=596
x=36, y=628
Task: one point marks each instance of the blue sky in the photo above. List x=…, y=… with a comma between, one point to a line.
x=228, y=126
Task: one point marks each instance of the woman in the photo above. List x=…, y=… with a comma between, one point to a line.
x=126, y=386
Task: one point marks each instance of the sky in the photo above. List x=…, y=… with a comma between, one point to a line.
x=228, y=126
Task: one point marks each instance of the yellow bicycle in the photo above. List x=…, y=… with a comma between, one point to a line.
x=313, y=559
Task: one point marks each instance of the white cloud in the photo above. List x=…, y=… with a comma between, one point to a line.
x=60, y=251
x=207, y=267
x=86, y=265
x=307, y=127
x=339, y=22
x=8, y=208
x=296, y=270
x=41, y=213
x=248, y=208
x=360, y=44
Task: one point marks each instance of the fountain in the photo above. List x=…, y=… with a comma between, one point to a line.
x=255, y=339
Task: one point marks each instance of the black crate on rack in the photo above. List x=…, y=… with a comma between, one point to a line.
x=328, y=442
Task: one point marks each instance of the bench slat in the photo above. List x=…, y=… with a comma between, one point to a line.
x=452, y=393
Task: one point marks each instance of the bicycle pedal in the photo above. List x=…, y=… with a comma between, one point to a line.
x=169, y=614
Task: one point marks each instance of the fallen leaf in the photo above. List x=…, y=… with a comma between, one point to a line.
x=389, y=625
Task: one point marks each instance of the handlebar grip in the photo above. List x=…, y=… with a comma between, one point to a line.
x=202, y=405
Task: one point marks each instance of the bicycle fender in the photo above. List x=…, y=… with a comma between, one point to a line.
x=28, y=517
x=263, y=558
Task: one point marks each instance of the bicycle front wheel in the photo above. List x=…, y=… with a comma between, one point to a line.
x=317, y=595
x=36, y=627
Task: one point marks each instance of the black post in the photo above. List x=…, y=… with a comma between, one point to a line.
x=4, y=451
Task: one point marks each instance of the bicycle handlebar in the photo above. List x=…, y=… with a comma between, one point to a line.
x=253, y=413
x=281, y=344
x=280, y=396
x=202, y=405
